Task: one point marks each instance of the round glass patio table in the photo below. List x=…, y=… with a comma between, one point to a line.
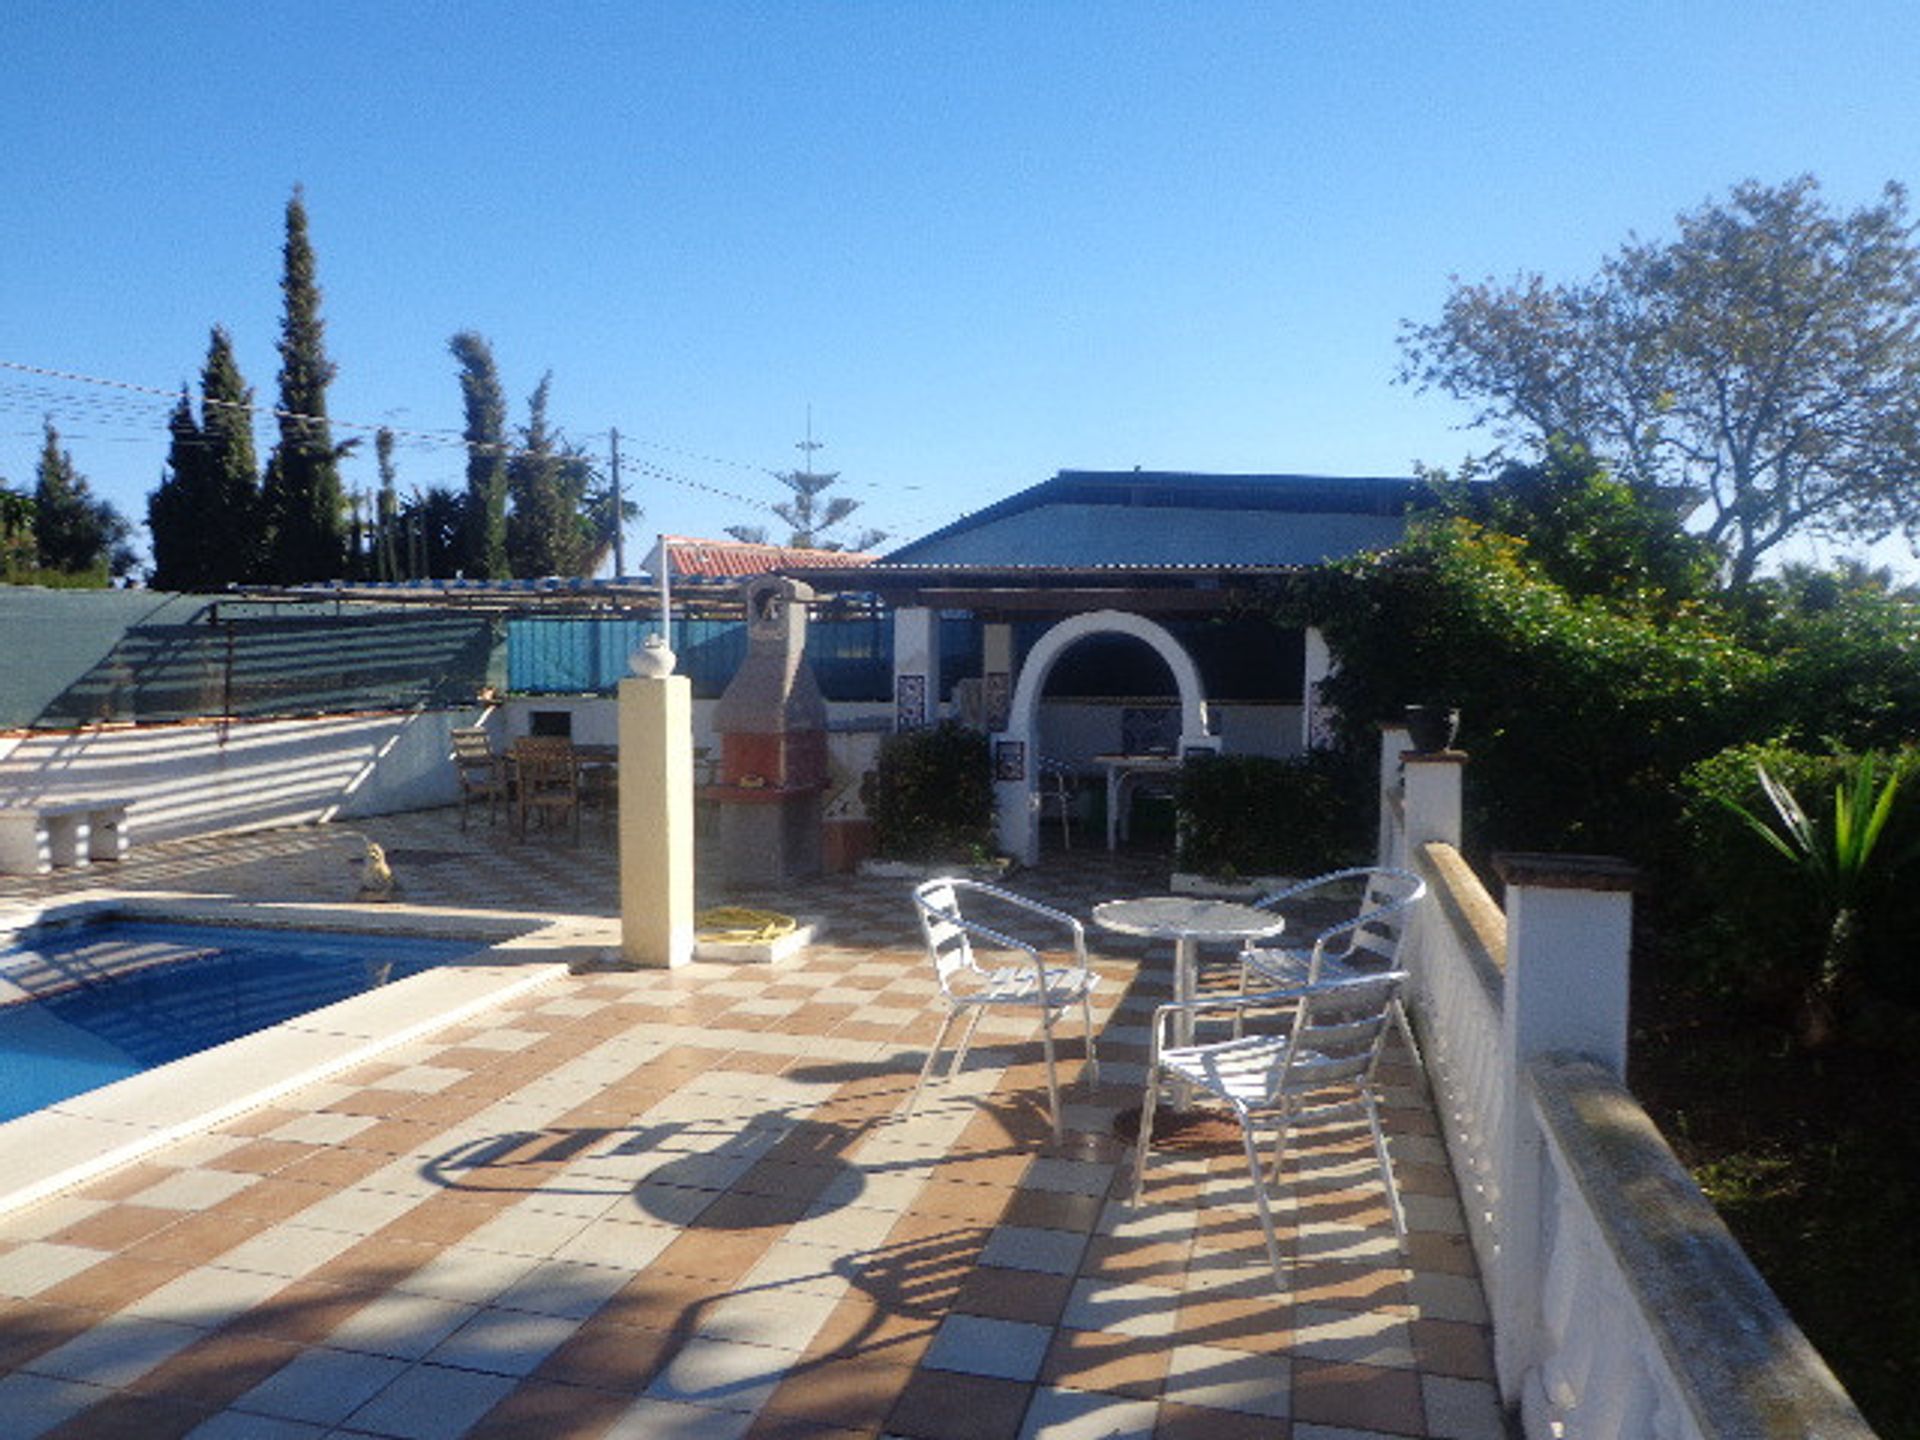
x=1190, y=922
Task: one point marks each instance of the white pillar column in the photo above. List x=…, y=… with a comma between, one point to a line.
x=996, y=673
x=656, y=821
x=1316, y=728
x=1390, y=845
x=916, y=667
x=1569, y=938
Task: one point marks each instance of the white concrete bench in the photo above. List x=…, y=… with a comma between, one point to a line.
x=39, y=835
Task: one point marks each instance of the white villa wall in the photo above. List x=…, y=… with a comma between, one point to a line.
x=1077, y=730
x=196, y=779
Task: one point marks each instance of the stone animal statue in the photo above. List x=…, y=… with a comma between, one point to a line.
x=376, y=875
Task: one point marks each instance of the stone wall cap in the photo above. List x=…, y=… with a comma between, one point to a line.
x=1566, y=872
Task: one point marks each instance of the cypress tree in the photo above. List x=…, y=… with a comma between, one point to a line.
x=185, y=545
x=233, y=470
x=387, y=564
x=205, y=516
x=304, y=502
x=485, y=523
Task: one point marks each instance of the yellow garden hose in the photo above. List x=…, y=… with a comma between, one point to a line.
x=737, y=925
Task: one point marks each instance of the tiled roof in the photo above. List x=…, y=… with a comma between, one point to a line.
x=733, y=559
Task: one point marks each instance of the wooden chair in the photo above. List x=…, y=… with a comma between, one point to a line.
x=482, y=774
x=546, y=783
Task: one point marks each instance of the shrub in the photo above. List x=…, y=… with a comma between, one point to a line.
x=1747, y=925
x=930, y=795
x=1252, y=815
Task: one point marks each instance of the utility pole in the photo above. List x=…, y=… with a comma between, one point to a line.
x=619, y=516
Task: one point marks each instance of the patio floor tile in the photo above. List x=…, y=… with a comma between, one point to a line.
x=657, y=1204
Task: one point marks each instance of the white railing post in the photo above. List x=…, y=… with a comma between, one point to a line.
x=1394, y=743
x=1431, y=807
x=1569, y=932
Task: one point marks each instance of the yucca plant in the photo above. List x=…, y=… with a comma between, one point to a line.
x=1839, y=866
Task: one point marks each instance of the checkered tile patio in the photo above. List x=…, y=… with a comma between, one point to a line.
x=687, y=1204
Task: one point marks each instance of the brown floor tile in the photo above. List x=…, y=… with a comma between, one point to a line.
x=271, y=1199
x=1137, y=1261
x=1449, y=1347
x=1441, y=1252
x=1002, y=1294
x=141, y=1175
x=864, y=1326
x=304, y=1313
x=32, y=1327
x=959, y=1200
x=1349, y=1285
x=257, y=1122
x=117, y=1226
x=718, y=1256
x=1359, y=1397
x=390, y=1137
x=131, y=1417
x=375, y=1263
x=605, y=1354
x=850, y=1391
x=1114, y=1364
x=216, y=1371
x=550, y=1412
x=373, y=1102
x=113, y=1284
x=335, y=1168
x=195, y=1239
x=747, y=1211
x=779, y=1426
x=1260, y=1323
x=1198, y=1422
x=261, y=1157
x=943, y=1405
x=440, y=1220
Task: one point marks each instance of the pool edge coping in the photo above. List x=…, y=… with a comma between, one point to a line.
x=101, y=1130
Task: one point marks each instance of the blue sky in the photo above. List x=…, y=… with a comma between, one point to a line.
x=983, y=241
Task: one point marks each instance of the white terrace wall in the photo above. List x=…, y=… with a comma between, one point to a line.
x=193, y=779
x=1622, y=1307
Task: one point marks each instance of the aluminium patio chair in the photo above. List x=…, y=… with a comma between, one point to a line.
x=1324, y=1065
x=482, y=774
x=1366, y=942
x=546, y=783
x=1058, y=790
x=1030, y=983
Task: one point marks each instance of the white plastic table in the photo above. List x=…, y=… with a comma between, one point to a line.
x=1122, y=771
x=1189, y=922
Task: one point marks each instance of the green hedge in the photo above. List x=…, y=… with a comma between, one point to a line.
x=1241, y=815
x=930, y=796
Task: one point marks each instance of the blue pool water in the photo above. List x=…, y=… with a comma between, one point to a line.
x=192, y=987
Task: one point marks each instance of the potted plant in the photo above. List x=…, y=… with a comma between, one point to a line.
x=1432, y=727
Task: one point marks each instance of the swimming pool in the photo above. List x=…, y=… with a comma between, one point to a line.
x=113, y=997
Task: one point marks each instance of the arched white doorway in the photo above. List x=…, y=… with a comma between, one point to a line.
x=1015, y=751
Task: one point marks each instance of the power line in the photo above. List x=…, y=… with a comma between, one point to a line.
x=128, y=409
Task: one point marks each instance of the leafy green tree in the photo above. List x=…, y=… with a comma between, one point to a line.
x=605, y=513
x=18, y=553
x=1594, y=536
x=433, y=533
x=74, y=533
x=547, y=483
x=1766, y=359
x=205, y=515
x=305, y=504
x=485, y=550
